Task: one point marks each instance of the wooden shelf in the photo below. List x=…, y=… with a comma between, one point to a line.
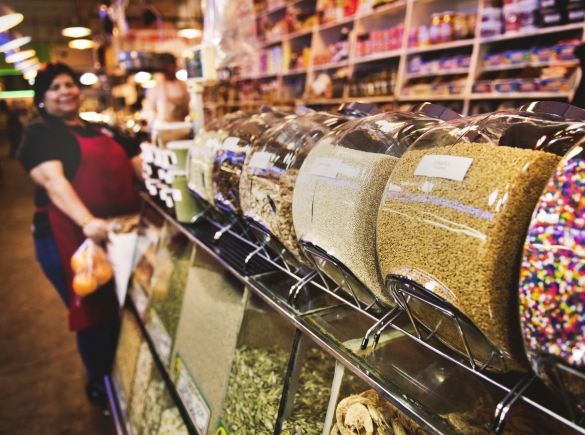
x=382, y=10
x=377, y=56
x=429, y=97
x=299, y=34
x=339, y=23
x=568, y=63
x=536, y=32
x=441, y=47
x=437, y=74
x=518, y=95
x=331, y=65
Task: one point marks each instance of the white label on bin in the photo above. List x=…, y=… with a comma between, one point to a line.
x=231, y=143
x=162, y=174
x=160, y=336
x=177, y=195
x=261, y=160
x=191, y=396
x=450, y=167
x=326, y=167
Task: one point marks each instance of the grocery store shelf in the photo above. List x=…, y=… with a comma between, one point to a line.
x=438, y=73
x=378, y=56
x=518, y=95
x=321, y=101
x=535, y=32
x=298, y=34
x=440, y=47
x=332, y=65
x=339, y=23
x=295, y=72
x=430, y=97
x=278, y=8
x=382, y=10
x=271, y=42
x=568, y=63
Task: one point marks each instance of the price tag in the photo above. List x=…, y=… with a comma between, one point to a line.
x=326, y=167
x=231, y=143
x=160, y=336
x=261, y=160
x=177, y=195
x=449, y=167
x=140, y=300
x=197, y=407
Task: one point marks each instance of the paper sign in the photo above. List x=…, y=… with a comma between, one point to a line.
x=449, y=167
x=326, y=167
x=261, y=160
x=140, y=300
x=121, y=248
x=231, y=143
x=196, y=406
x=177, y=195
x=160, y=336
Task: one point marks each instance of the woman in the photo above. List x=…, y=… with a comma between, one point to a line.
x=84, y=174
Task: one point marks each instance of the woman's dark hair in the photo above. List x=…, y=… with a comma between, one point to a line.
x=45, y=77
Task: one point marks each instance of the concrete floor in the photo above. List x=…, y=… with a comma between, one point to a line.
x=42, y=379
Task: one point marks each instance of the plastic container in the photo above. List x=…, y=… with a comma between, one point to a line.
x=201, y=153
x=164, y=132
x=230, y=157
x=553, y=273
x=454, y=216
x=269, y=176
x=186, y=206
x=339, y=188
x=178, y=153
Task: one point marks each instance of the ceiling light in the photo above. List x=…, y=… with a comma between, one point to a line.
x=181, y=75
x=19, y=56
x=142, y=77
x=88, y=79
x=190, y=33
x=81, y=44
x=15, y=43
x=76, y=32
x=149, y=84
x=9, y=21
x=30, y=75
x=27, y=65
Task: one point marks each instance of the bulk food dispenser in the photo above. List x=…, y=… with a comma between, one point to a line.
x=230, y=157
x=552, y=279
x=270, y=172
x=453, y=218
x=201, y=153
x=338, y=191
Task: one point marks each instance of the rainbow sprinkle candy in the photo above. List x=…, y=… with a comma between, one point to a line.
x=552, y=277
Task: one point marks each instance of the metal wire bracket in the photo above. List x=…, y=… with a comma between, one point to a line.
x=499, y=419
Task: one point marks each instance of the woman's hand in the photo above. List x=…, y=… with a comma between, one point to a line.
x=96, y=229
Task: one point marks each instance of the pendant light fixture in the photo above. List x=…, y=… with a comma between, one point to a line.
x=8, y=18
x=75, y=30
x=28, y=65
x=14, y=43
x=81, y=44
x=18, y=55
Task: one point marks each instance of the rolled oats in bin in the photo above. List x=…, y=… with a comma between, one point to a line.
x=339, y=188
x=459, y=232
x=270, y=172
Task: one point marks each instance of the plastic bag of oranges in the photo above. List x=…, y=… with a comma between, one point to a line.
x=91, y=268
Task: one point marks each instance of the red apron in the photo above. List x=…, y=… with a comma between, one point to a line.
x=104, y=182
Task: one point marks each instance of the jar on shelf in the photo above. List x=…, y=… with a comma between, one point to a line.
x=529, y=14
x=511, y=15
x=460, y=26
x=447, y=26
x=435, y=29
